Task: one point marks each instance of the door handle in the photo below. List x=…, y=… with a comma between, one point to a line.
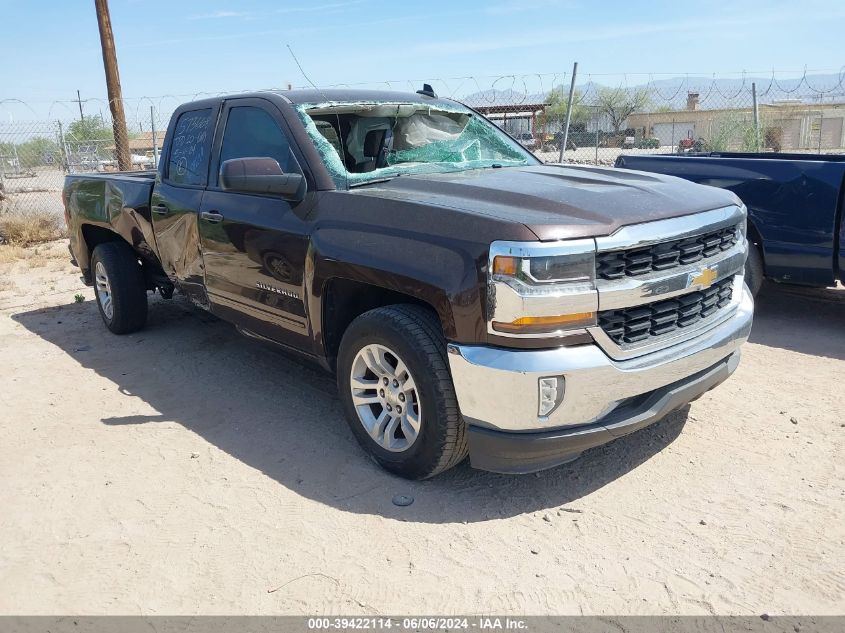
x=161, y=209
x=211, y=216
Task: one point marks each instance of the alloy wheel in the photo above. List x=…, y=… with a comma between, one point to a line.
x=103, y=289
x=385, y=397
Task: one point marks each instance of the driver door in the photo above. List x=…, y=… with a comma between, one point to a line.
x=254, y=245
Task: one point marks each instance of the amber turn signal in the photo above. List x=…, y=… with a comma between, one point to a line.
x=505, y=265
x=546, y=324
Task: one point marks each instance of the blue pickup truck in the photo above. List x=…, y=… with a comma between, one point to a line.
x=795, y=208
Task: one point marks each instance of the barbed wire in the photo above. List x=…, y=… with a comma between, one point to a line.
x=648, y=80
x=683, y=86
x=612, y=113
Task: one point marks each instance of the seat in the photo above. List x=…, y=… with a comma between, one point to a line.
x=377, y=144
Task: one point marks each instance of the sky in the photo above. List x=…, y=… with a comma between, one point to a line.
x=49, y=49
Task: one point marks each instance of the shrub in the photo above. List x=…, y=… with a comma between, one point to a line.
x=26, y=229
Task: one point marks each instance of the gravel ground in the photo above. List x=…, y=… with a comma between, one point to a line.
x=185, y=469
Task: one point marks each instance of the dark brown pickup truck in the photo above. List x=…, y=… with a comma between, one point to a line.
x=470, y=299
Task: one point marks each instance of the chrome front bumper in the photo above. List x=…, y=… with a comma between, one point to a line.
x=498, y=389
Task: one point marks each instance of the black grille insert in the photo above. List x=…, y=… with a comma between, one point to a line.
x=633, y=325
x=663, y=256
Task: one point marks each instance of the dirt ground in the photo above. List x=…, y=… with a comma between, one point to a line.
x=186, y=470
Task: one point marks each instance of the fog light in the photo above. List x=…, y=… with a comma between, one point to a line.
x=551, y=394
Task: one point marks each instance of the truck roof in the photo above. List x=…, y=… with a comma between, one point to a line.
x=352, y=94
x=334, y=94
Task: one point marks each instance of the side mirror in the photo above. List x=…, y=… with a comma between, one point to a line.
x=260, y=175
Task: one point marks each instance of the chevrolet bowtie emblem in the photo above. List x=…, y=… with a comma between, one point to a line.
x=704, y=279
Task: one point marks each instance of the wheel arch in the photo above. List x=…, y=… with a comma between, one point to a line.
x=343, y=299
x=92, y=235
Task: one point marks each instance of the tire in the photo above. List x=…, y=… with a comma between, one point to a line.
x=412, y=336
x=122, y=294
x=754, y=269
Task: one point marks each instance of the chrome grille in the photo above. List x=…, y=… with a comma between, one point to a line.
x=665, y=255
x=637, y=324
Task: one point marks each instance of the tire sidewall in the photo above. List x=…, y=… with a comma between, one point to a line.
x=414, y=461
x=126, y=282
x=754, y=269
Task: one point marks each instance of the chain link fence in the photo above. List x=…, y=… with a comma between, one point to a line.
x=679, y=115
x=35, y=155
x=609, y=116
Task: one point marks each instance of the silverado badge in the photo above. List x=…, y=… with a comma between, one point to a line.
x=704, y=279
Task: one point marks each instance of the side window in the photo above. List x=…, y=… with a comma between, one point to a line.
x=188, y=163
x=252, y=133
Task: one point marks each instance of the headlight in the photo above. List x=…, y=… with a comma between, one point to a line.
x=554, y=269
x=542, y=289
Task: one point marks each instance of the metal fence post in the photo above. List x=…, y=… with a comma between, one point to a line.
x=155, y=140
x=2, y=179
x=597, y=144
x=63, y=147
x=596, y=119
x=568, y=111
x=2, y=169
x=756, y=117
x=673, y=135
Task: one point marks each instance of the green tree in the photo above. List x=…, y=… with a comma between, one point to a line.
x=557, y=103
x=619, y=103
x=553, y=116
x=91, y=128
x=34, y=151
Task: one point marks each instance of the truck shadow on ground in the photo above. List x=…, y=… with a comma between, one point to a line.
x=804, y=320
x=283, y=418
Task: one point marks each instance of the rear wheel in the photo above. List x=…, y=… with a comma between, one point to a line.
x=394, y=382
x=119, y=287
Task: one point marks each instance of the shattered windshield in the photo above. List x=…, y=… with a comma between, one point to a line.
x=362, y=142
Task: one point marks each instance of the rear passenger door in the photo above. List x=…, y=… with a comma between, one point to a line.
x=177, y=197
x=254, y=245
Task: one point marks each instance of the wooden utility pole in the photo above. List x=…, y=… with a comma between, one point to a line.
x=79, y=101
x=121, y=137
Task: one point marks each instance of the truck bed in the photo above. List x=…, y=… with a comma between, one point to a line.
x=118, y=202
x=794, y=205
x=118, y=175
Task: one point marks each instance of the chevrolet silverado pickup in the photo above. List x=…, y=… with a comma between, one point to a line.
x=469, y=299
x=795, y=209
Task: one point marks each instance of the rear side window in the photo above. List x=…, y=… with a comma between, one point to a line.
x=252, y=133
x=188, y=164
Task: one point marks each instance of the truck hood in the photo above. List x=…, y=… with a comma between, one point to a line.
x=556, y=201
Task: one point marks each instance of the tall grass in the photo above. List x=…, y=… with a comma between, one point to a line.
x=28, y=228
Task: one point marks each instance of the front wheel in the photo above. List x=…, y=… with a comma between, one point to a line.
x=754, y=271
x=119, y=287
x=394, y=382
